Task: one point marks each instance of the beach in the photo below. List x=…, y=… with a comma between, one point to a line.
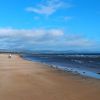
x=26, y=80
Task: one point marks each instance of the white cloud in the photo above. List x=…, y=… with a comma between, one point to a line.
x=47, y=38
x=30, y=32
x=81, y=42
x=48, y=7
x=66, y=18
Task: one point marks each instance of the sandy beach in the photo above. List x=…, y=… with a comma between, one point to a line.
x=26, y=80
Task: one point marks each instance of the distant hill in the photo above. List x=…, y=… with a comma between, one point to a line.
x=48, y=51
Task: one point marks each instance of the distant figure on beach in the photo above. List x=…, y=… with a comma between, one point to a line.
x=9, y=56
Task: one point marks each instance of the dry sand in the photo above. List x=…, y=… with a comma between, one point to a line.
x=26, y=80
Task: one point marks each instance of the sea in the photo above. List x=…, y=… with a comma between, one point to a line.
x=85, y=64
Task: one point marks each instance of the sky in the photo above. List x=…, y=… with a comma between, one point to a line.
x=50, y=24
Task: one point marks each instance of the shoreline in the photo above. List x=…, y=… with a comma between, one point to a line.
x=65, y=72
x=80, y=72
x=26, y=80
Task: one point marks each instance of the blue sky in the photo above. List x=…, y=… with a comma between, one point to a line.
x=50, y=24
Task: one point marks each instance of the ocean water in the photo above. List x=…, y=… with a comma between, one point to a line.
x=84, y=64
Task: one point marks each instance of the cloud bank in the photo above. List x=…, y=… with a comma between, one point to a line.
x=41, y=39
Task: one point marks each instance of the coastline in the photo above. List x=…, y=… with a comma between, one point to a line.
x=27, y=80
x=76, y=71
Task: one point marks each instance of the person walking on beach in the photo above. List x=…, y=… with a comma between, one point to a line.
x=9, y=56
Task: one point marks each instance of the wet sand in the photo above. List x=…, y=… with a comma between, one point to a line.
x=26, y=80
